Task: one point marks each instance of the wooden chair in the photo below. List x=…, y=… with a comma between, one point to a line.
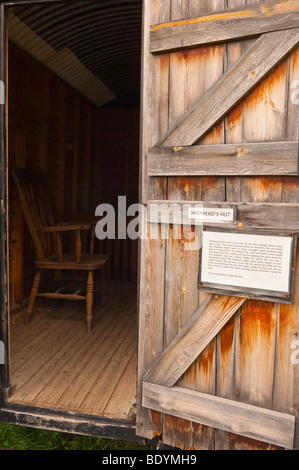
x=46, y=235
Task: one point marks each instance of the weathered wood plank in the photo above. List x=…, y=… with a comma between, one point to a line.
x=237, y=23
x=212, y=65
x=198, y=332
x=245, y=74
x=263, y=158
x=226, y=340
x=53, y=366
x=280, y=216
x=221, y=413
x=286, y=374
x=263, y=119
x=181, y=293
x=151, y=309
x=154, y=106
x=154, y=123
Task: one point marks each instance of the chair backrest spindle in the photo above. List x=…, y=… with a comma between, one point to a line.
x=32, y=190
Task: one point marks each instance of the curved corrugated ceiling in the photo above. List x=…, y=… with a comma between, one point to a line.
x=104, y=36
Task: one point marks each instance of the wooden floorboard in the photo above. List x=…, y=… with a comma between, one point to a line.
x=57, y=364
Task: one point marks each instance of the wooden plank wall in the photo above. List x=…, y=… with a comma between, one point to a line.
x=119, y=161
x=90, y=156
x=249, y=361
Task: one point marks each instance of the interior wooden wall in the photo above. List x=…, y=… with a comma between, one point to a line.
x=90, y=156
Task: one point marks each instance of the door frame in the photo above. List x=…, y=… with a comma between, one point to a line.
x=4, y=271
x=22, y=414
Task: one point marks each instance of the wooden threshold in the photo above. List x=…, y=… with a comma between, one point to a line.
x=56, y=364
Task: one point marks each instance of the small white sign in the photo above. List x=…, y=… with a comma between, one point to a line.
x=211, y=214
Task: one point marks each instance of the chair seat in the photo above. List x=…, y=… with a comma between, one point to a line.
x=87, y=262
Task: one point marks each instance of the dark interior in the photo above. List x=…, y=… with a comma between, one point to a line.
x=73, y=115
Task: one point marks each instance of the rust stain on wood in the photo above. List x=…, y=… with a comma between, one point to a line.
x=282, y=7
x=257, y=320
x=206, y=360
x=177, y=149
x=204, y=19
x=184, y=425
x=295, y=61
x=212, y=182
x=226, y=338
x=264, y=91
x=214, y=136
x=243, y=443
x=286, y=319
x=263, y=189
x=235, y=115
x=191, y=374
x=156, y=420
x=242, y=151
x=291, y=182
x=164, y=62
x=190, y=55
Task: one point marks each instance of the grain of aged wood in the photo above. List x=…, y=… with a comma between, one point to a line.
x=199, y=331
x=154, y=123
x=244, y=75
x=227, y=25
x=214, y=118
x=228, y=415
x=263, y=158
x=50, y=357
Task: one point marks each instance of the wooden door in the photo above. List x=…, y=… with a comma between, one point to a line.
x=4, y=329
x=219, y=126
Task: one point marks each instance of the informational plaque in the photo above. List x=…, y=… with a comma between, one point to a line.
x=256, y=264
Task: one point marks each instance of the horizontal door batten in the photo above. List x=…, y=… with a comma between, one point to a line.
x=228, y=415
x=278, y=216
x=263, y=158
x=228, y=25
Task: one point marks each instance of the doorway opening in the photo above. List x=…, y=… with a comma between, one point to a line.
x=73, y=115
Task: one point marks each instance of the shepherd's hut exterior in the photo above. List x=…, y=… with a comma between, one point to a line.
x=189, y=108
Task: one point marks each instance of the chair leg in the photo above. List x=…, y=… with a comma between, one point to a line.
x=89, y=300
x=32, y=296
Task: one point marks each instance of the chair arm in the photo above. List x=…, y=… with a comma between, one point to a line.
x=67, y=227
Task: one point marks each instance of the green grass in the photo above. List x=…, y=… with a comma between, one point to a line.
x=22, y=438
